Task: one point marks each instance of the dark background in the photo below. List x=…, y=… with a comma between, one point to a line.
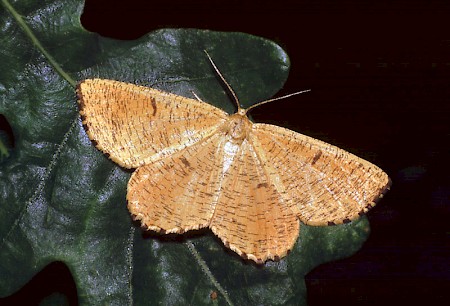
x=380, y=78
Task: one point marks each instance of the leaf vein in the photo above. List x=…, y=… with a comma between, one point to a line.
x=208, y=272
x=43, y=180
x=37, y=43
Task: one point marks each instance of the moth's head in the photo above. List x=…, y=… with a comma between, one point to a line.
x=238, y=126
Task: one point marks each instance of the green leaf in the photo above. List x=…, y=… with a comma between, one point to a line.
x=62, y=200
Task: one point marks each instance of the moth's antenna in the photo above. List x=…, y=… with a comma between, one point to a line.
x=236, y=98
x=279, y=98
x=223, y=79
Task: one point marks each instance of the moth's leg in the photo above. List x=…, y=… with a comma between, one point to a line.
x=197, y=97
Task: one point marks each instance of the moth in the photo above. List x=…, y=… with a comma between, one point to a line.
x=199, y=167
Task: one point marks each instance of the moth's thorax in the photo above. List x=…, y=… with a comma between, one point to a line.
x=238, y=127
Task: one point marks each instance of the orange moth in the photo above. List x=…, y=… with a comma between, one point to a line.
x=198, y=167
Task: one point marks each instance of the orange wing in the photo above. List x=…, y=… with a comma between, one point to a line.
x=137, y=125
x=321, y=183
x=178, y=193
x=218, y=184
x=251, y=217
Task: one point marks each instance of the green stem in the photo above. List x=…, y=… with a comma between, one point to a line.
x=37, y=43
x=3, y=149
